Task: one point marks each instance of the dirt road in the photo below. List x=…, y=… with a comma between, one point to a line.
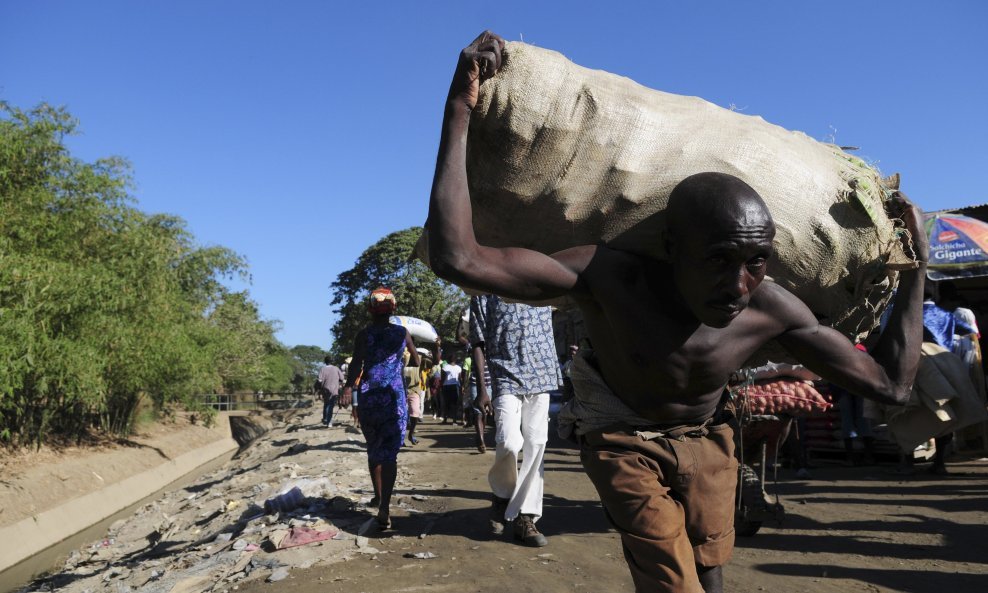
x=847, y=529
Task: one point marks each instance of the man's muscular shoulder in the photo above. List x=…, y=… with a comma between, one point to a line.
x=604, y=266
x=782, y=309
x=609, y=263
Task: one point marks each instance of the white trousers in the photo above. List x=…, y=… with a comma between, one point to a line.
x=522, y=431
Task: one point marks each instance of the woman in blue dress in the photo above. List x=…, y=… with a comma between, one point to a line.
x=378, y=363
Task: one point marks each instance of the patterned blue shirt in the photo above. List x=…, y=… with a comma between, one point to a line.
x=518, y=345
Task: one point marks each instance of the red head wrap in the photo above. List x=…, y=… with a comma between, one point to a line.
x=382, y=302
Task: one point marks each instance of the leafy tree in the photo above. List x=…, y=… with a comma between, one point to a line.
x=390, y=262
x=306, y=361
x=278, y=370
x=241, y=343
x=103, y=306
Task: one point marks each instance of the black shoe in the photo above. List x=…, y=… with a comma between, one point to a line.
x=525, y=531
x=497, y=520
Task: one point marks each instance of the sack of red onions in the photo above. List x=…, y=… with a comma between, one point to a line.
x=782, y=395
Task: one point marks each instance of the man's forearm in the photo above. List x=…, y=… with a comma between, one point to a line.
x=450, y=215
x=898, y=350
x=480, y=368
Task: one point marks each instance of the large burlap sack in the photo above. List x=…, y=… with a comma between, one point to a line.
x=560, y=155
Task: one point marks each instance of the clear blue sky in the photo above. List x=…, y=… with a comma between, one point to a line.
x=298, y=133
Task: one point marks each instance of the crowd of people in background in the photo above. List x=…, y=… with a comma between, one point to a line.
x=499, y=373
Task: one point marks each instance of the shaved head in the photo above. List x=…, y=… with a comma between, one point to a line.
x=717, y=201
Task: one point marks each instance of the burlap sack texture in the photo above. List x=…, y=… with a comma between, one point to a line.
x=560, y=155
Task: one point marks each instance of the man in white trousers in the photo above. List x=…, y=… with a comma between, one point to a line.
x=514, y=343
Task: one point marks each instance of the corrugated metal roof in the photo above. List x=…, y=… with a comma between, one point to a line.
x=973, y=206
x=960, y=209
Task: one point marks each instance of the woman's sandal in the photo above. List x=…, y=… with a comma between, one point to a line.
x=383, y=524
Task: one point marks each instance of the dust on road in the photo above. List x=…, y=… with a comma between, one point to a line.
x=848, y=529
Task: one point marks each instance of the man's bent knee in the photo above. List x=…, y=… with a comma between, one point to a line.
x=512, y=445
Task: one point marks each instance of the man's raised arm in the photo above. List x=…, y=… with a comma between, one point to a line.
x=454, y=253
x=888, y=373
x=899, y=347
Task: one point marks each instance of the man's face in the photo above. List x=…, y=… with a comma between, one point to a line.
x=717, y=267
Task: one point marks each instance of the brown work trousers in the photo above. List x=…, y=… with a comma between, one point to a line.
x=671, y=497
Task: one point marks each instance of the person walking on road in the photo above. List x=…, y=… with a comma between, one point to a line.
x=518, y=349
x=450, y=395
x=328, y=387
x=414, y=389
x=378, y=361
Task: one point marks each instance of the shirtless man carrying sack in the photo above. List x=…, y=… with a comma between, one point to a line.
x=666, y=337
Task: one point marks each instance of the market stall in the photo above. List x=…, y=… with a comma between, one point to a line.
x=959, y=261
